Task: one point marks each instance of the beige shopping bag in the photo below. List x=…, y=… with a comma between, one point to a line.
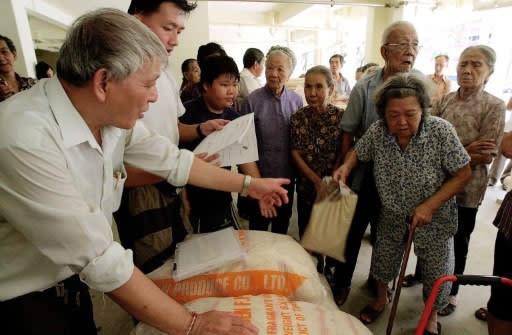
x=330, y=220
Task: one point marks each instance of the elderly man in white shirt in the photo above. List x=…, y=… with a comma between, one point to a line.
x=63, y=145
x=250, y=76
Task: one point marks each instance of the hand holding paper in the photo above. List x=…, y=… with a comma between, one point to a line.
x=235, y=143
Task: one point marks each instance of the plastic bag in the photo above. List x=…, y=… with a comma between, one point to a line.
x=330, y=220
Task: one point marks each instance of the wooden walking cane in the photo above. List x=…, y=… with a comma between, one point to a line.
x=405, y=259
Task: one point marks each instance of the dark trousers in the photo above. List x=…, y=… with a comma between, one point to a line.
x=466, y=225
x=280, y=222
x=65, y=309
x=134, y=230
x=367, y=212
x=304, y=208
x=501, y=295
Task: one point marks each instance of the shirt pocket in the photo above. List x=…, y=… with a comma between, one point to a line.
x=118, y=185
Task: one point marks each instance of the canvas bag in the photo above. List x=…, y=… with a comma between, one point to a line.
x=331, y=217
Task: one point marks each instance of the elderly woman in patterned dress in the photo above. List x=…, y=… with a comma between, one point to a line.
x=314, y=140
x=419, y=165
x=478, y=118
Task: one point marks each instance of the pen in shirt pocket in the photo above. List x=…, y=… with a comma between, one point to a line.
x=117, y=177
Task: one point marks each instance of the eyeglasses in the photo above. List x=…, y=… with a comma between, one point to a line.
x=405, y=45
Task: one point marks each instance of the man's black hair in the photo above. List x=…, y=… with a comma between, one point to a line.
x=151, y=6
x=42, y=69
x=340, y=57
x=207, y=50
x=9, y=43
x=216, y=66
x=186, y=64
x=251, y=56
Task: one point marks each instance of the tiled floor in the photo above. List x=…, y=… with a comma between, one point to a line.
x=114, y=321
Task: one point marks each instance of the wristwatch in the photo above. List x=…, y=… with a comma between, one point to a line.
x=245, y=188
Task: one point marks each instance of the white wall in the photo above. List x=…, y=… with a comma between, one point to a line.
x=195, y=34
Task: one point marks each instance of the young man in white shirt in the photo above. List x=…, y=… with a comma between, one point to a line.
x=63, y=145
x=149, y=220
x=253, y=68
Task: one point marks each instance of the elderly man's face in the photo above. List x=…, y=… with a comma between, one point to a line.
x=472, y=70
x=403, y=116
x=127, y=100
x=335, y=65
x=277, y=72
x=441, y=64
x=167, y=23
x=7, y=58
x=400, y=50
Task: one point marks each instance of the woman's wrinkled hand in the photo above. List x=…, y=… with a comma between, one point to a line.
x=421, y=215
x=222, y=323
x=341, y=174
x=481, y=146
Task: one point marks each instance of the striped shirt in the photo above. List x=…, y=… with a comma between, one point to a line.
x=503, y=218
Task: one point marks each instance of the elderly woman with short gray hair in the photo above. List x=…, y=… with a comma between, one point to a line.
x=419, y=165
x=273, y=105
x=478, y=118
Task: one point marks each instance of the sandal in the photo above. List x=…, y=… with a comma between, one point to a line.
x=481, y=314
x=410, y=280
x=447, y=310
x=341, y=295
x=371, y=314
x=426, y=332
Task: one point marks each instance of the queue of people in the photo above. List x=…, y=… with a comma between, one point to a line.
x=108, y=132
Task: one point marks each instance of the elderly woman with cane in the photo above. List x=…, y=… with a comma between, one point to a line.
x=420, y=164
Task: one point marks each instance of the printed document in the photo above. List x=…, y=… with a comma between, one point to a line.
x=235, y=143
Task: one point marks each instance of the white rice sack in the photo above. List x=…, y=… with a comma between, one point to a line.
x=274, y=264
x=274, y=315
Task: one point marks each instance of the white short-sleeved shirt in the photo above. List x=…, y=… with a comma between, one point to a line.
x=162, y=116
x=248, y=83
x=58, y=189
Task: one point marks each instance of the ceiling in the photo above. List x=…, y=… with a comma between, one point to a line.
x=49, y=19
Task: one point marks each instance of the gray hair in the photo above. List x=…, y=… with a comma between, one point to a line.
x=284, y=51
x=401, y=86
x=489, y=53
x=392, y=28
x=320, y=69
x=110, y=39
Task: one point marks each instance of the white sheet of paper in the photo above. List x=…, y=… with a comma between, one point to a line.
x=235, y=143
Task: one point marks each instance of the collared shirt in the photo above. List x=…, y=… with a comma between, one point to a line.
x=342, y=86
x=248, y=83
x=480, y=116
x=24, y=83
x=406, y=178
x=163, y=114
x=361, y=113
x=442, y=86
x=272, y=121
x=59, y=189
x=317, y=137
